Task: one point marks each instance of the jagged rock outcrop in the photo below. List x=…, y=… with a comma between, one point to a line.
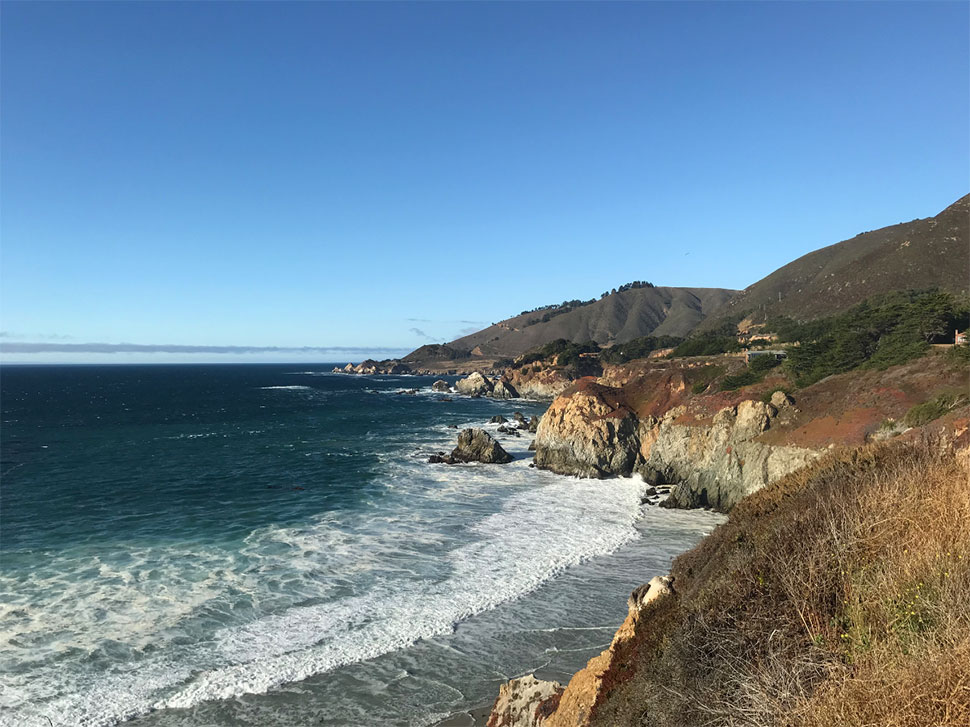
x=587, y=432
x=717, y=464
x=529, y=702
x=534, y=424
x=371, y=367
x=532, y=382
x=497, y=419
x=474, y=445
x=440, y=385
x=475, y=384
x=524, y=702
x=504, y=390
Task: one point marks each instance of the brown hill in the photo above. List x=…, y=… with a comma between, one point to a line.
x=616, y=318
x=925, y=253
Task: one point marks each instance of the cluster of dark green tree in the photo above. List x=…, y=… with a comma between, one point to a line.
x=567, y=351
x=628, y=286
x=555, y=309
x=637, y=348
x=878, y=333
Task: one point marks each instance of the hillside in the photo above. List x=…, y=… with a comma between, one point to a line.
x=616, y=318
x=924, y=253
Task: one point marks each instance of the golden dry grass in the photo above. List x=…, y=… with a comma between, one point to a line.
x=838, y=597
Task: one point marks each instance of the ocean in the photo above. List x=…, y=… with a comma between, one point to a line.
x=267, y=545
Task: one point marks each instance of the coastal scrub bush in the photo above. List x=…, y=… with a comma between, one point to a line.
x=701, y=378
x=638, y=348
x=757, y=368
x=959, y=355
x=708, y=344
x=567, y=352
x=933, y=409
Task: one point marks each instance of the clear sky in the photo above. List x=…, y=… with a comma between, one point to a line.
x=381, y=175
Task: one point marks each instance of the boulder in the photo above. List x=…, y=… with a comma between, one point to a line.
x=524, y=702
x=509, y=430
x=534, y=424
x=474, y=385
x=477, y=445
x=588, y=432
x=780, y=400
x=440, y=385
x=497, y=419
x=519, y=417
x=504, y=390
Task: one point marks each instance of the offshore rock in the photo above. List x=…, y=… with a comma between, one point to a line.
x=588, y=432
x=474, y=385
x=440, y=385
x=534, y=424
x=497, y=419
x=477, y=445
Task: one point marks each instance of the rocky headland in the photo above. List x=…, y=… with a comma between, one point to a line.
x=758, y=453
x=716, y=447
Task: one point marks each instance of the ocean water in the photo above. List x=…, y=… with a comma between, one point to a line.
x=267, y=545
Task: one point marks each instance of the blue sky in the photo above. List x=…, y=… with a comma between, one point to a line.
x=381, y=175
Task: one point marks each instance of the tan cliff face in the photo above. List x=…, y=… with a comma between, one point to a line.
x=589, y=432
x=529, y=702
x=536, y=382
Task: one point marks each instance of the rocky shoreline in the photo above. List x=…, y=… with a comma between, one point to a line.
x=695, y=447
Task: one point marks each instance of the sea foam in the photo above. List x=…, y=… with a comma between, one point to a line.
x=445, y=544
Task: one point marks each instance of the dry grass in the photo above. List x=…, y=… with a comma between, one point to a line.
x=839, y=596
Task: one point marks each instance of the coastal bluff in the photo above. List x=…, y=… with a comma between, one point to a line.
x=714, y=448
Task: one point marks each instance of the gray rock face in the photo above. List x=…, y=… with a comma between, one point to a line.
x=440, y=385
x=504, y=390
x=718, y=465
x=477, y=445
x=474, y=385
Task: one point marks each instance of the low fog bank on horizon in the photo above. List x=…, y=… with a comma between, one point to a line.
x=14, y=353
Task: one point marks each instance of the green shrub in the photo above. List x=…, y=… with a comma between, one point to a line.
x=638, y=348
x=707, y=345
x=959, y=355
x=701, y=378
x=744, y=378
x=933, y=409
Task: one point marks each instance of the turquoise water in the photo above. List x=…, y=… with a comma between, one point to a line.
x=261, y=545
